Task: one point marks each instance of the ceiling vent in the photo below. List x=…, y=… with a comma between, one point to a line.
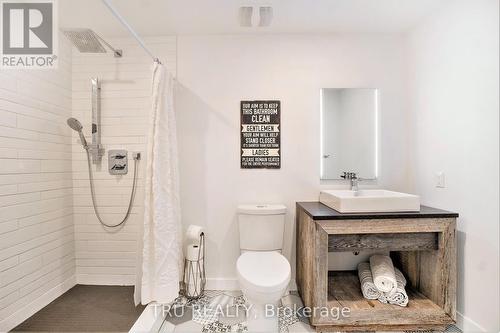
x=266, y=16
x=245, y=16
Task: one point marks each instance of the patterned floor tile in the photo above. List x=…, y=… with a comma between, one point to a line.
x=199, y=302
x=233, y=315
x=453, y=328
x=301, y=327
x=449, y=329
x=221, y=301
x=293, y=301
x=188, y=327
x=218, y=312
x=240, y=300
x=213, y=293
x=179, y=315
x=240, y=328
x=216, y=327
x=286, y=317
x=205, y=315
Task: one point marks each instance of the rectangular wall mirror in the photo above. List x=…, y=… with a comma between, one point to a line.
x=349, y=132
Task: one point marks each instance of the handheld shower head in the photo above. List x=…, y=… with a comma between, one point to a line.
x=77, y=126
x=74, y=124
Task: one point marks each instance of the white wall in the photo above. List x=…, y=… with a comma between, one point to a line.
x=36, y=223
x=455, y=115
x=216, y=72
x=105, y=255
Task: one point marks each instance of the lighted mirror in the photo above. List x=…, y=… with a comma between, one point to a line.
x=349, y=132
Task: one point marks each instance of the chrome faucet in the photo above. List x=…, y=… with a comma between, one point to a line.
x=353, y=178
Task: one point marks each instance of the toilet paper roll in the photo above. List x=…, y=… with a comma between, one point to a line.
x=193, y=234
x=193, y=252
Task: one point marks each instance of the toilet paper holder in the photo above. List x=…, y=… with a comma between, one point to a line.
x=194, y=280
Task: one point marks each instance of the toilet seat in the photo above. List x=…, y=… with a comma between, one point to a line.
x=263, y=271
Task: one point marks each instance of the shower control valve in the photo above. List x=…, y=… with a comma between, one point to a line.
x=118, y=162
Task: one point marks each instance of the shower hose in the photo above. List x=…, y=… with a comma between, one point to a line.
x=92, y=192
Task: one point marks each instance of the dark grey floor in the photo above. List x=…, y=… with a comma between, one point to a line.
x=86, y=309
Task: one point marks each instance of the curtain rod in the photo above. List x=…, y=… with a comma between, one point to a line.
x=130, y=29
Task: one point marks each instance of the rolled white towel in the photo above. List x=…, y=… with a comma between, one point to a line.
x=383, y=298
x=400, y=278
x=399, y=296
x=365, y=278
x=383, y=273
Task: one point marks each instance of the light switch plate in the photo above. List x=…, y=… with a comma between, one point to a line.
x=440, y=180
x=118, y=162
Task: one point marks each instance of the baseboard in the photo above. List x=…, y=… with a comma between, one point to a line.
x=468, y=325
x=30, y=309
x=105, y=280
x=232, y=284
x=125, y=280
x=222, y=284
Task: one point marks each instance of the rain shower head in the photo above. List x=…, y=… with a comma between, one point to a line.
x=77, y=126
x=87, y=41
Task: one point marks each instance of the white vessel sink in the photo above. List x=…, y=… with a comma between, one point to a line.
x=364, y=201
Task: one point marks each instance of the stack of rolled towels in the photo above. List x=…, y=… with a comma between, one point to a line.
x=382, y=281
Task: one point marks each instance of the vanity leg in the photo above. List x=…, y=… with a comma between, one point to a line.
x=434, y=273
x=320, y=273
x=304, y=257
x=312, y=264
x=438, y=271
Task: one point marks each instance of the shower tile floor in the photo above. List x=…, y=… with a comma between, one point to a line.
x=183, y=319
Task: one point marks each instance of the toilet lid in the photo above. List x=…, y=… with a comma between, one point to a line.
x=265, y=271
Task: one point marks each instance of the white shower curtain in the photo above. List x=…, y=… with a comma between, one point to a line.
x=162, y=240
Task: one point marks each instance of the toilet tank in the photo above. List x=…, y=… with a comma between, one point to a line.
x=261, y=227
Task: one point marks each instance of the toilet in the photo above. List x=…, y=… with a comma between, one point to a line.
x=263, y=272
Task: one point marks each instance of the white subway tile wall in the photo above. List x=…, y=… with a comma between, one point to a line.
x=50, y=238
x=37, y=248
x=105, y=255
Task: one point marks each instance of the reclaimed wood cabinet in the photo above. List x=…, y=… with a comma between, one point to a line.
x=422, y=245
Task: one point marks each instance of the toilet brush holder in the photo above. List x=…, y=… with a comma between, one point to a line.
x=194, y=270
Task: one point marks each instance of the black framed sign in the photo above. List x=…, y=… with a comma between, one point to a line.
x=260, y=134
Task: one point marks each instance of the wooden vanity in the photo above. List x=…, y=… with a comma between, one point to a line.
x=422, y=245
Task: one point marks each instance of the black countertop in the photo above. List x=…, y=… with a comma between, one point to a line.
x=317, y=211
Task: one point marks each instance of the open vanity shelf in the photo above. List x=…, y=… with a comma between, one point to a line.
x=344, y=291
x=422, y=246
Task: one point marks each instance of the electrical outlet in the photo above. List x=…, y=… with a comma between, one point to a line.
x=440, y=180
